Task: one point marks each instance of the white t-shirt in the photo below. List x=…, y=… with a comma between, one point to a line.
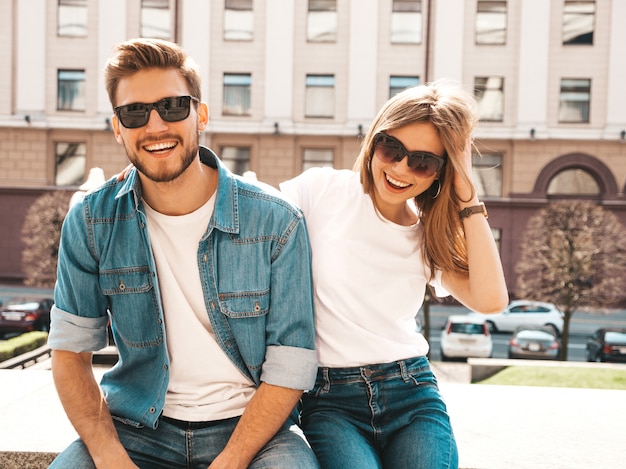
x=368, y=273
x=204, y=384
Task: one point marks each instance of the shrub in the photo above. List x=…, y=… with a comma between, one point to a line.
x=22, y=344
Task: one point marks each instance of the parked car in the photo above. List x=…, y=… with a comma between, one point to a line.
x=607, y=345
x=25, y=315
x=524, y=313
x=465, y=336
x=534, y=342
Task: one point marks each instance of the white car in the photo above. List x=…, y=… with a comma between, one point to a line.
x=465, y=336
x=525, y=312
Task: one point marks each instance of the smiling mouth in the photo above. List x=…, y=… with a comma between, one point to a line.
x=160, y=147
x=395, y=183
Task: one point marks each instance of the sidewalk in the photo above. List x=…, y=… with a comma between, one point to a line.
x=497, y=427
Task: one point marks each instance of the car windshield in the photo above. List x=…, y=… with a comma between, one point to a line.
x=467, y=328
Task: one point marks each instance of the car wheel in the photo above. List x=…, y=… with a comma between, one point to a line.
x=444, y=358
x=588, y=356
x=492, y=327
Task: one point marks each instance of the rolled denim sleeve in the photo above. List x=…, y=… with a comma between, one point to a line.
x=76, y=333
x=291, y=359
x=79, y=316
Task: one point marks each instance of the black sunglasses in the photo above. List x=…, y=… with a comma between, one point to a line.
x=173, y=109
x=422, y=163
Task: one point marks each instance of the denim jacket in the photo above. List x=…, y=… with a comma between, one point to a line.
x=255, y=269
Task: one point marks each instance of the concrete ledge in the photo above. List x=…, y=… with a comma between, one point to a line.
x=25, y=460
x=483, y=368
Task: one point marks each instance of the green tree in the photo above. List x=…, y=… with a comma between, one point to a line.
x=41, y=233
x=573, y=254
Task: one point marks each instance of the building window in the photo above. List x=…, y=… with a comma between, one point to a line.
x=320, y=96
x=578, y=22
x=157, y=19
x=70, y=163
x=72, y=18
x=406, y=22
x=574, y=181
x=487, y=174
x=237, y=94
x=322, y=21
x=237, y=159
x=317, y=157
x=71, y=90
x=490, y=22
x=398, y=83
x=489, y=93
x=575, y=98
x=238, y=20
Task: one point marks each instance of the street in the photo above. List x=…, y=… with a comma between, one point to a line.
x=582, y=325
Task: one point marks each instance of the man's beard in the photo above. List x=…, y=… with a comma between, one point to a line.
x=189, y=155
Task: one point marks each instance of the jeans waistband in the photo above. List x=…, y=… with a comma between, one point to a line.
x=373, y=372
x=189, y=425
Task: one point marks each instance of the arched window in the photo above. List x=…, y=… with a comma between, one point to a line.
x=573, y=181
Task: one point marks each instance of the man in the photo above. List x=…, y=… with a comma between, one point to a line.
x=205, y=278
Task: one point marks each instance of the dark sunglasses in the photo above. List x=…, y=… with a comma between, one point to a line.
x=422, y=163
x=173, y=109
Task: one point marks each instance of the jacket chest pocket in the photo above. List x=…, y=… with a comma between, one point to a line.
x=135, y=314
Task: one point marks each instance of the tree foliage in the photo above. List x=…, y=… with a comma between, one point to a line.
x=41, y=233
x=573, y=254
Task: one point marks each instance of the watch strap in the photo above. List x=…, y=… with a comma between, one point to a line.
x=467, y=211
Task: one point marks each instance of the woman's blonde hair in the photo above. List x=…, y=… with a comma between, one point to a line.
x=452, y=110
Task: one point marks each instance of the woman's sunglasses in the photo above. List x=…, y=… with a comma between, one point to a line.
x=174, y=109
x=422, y=163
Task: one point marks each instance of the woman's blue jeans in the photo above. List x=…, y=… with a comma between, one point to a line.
x=172, y=447
x=387, y=415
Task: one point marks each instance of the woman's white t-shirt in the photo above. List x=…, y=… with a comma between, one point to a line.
x=368, y=273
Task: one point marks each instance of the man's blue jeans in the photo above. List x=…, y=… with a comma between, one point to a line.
x=387, y=416
x=171, y=447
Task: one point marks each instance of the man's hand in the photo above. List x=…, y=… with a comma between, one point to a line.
x=86, y=408
x=263, y=417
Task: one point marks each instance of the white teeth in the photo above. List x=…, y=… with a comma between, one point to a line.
x=395, y=182
x=160, y=146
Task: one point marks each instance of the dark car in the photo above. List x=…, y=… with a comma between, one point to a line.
x=607, y=345
x=534, y=342
x=25, y=315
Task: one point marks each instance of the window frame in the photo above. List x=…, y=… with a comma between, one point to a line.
x=403, y=82
x=314, y=85
x=573, y=14
x=316, y=11
x=481, y=34
x=74, y=9
x=242, y=83
x=145, y=26
x=234, y=12
x=402, y=12
x=236, y=163
x=80, y=91
x=57, y=163
x=573, y=91
x=479, y=93
x=318, y=162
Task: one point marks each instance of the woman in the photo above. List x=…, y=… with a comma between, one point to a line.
x=408, y=216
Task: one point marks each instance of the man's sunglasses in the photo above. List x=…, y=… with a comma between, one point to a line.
x=422, y=163
x=174, y=109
